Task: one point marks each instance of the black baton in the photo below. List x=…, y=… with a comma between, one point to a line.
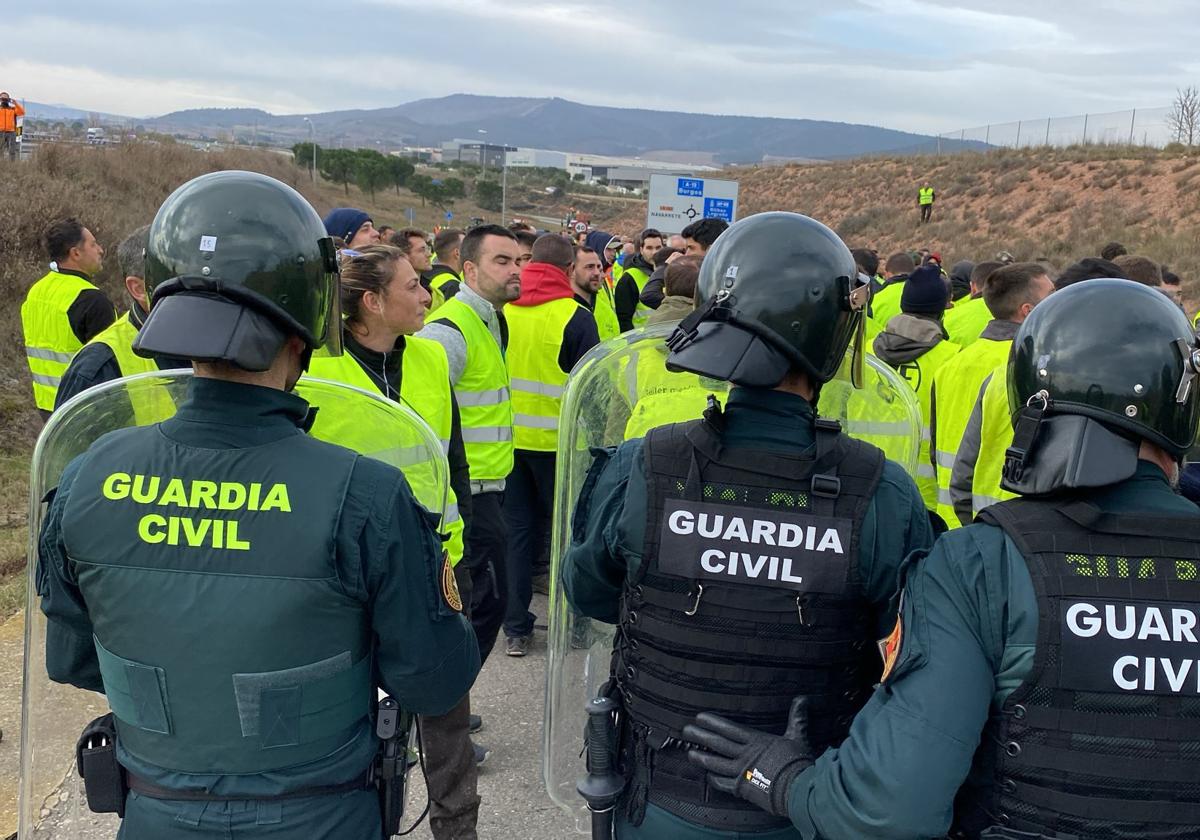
x=602, y=786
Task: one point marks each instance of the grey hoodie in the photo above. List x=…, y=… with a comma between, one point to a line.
x=908, y=337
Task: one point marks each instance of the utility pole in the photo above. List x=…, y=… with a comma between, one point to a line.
x=504, y=190
x=312, y=134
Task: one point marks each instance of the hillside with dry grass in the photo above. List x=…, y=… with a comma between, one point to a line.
x=1059, y=204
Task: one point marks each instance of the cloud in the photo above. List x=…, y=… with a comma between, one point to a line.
x=920, y=65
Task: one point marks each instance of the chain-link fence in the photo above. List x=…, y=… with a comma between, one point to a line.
x=1137, y=127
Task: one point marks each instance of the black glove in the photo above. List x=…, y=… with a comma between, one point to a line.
x=753, y=765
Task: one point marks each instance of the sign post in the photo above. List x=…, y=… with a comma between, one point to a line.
x=675, y=202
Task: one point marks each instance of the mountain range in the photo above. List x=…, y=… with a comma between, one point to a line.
x=552, y=123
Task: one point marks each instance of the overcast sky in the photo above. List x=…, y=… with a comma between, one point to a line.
x=920, y=65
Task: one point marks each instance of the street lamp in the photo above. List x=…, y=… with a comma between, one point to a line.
x=312, y=133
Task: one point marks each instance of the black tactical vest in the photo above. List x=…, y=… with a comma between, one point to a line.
x=1102, y=740
x=748, y=596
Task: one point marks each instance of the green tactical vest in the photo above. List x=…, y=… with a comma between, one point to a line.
x=484, y=401
x=225, y=643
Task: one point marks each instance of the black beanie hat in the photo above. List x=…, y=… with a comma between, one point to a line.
x=924, y=292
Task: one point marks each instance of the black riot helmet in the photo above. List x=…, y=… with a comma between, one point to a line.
x=236, y=262
x=1095, y=369
x=776, y=291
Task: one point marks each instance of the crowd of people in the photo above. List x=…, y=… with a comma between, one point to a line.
x=477, y=331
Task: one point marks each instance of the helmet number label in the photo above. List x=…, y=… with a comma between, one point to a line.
x=208, y=243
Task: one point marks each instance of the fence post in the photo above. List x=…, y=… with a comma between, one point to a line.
x=1017, y=145
x=987, y=136
x=962, y=135
x=1047, y=131
x=1085, y=121
x=1132, y=117
x=939, y=148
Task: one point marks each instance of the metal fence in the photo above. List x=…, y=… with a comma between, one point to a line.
x=1137, y=127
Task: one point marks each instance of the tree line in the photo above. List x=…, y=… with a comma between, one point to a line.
x=372, y=171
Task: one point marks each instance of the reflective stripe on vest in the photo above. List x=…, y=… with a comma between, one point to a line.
x=535, y=340
x=640, y=278
x=49, y=340
x=425, y=388
x=484, y=397
x=996, y=436
x=605, y=312
x=956, y=388
x=919, y=374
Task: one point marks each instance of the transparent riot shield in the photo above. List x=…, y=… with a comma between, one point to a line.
x=616, y=393
x=51, y=797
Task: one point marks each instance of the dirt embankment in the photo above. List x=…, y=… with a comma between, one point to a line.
x=1055, y=204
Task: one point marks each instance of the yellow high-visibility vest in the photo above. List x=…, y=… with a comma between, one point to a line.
x=605, y=312
x=436, y=292
x=885, y=305
x=153, y=406
x=535, y=336
x=640, y=278
x=967, y=320
x=484, y=400
x=996, y=436
x=424, y=387
x=49, y=340
x=956, y=387
x=919, y=374
x=924, y=195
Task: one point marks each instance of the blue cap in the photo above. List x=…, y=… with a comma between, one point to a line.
x=344, y=222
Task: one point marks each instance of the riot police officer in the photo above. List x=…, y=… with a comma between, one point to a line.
x=751, y=556
x=236, y=588
x=1042, y=675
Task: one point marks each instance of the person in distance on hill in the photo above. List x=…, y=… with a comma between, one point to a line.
x=1017, y=700
x=351, y=228
x=700, y=235
x=109, y=355
x=925, y=199
x=63, y=310
x=10, y=109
